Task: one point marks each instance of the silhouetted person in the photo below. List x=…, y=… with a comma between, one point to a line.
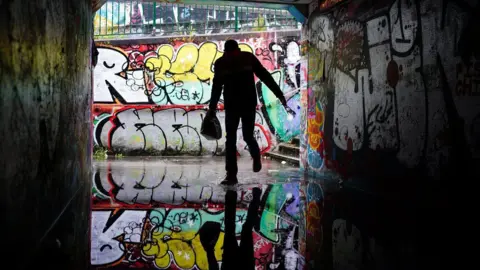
x=235, y=257
x=235, y=72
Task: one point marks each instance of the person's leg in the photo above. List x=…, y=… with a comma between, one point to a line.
x=248, y=127
x=232, y=119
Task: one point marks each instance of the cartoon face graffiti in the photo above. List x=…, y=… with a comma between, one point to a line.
x=108, y=239
x=113, y=81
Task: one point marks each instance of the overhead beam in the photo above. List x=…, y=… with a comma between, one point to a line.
x=298, y=12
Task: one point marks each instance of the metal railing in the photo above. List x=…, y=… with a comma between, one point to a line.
x=117, y=18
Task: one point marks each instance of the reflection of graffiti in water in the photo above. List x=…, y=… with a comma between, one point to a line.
x=167, y=238
x=347, y=246
x=145, y=186
x=314, y=213
x=159, y=237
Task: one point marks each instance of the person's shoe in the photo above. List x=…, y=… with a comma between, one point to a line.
x=257, y=164
x=229, y=180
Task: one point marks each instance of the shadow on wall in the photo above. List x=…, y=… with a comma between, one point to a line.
x=152, y=98
x=381, y=98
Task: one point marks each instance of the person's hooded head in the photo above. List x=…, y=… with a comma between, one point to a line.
x=231, y=46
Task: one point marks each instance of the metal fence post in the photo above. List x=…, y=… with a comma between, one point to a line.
x=154, y=30
x=236, y=18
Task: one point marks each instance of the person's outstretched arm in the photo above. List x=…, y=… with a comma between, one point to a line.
x=265, y=76
x=217, y=84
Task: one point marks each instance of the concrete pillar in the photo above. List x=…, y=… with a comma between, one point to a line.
x=45, y=141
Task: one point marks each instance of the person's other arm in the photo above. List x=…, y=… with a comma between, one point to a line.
x=217, y=84
x=265, y=76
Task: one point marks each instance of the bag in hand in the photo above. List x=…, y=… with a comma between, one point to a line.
x=211, y=128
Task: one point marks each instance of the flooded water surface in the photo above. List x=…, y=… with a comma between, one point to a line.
x=171, y=213
x=153, y=213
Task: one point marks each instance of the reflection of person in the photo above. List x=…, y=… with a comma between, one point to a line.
x=209, y=234
x=235, y=72
x=234, y=256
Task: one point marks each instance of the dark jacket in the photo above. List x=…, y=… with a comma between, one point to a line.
x=235, y=72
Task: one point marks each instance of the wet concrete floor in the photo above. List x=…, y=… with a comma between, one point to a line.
x=171, y=213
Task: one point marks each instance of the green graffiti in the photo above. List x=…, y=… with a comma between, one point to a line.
x=285, y=129
x=272, y=221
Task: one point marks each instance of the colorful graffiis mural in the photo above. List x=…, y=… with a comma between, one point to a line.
x=378, y=90
x=152, y=97
x=143, y=218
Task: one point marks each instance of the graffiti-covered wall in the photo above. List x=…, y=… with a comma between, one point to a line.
x=392, y=86
x=152, y=97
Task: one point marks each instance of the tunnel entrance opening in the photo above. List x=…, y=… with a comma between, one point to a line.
x=151, y=88
x=152, y=83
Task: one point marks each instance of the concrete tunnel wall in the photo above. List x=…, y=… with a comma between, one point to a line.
x=394, y=86
x=45, y=101
x=157, y=104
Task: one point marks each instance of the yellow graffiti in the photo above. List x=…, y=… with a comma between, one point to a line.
x=314, y=124
x=190, y=63
x=184, y=249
